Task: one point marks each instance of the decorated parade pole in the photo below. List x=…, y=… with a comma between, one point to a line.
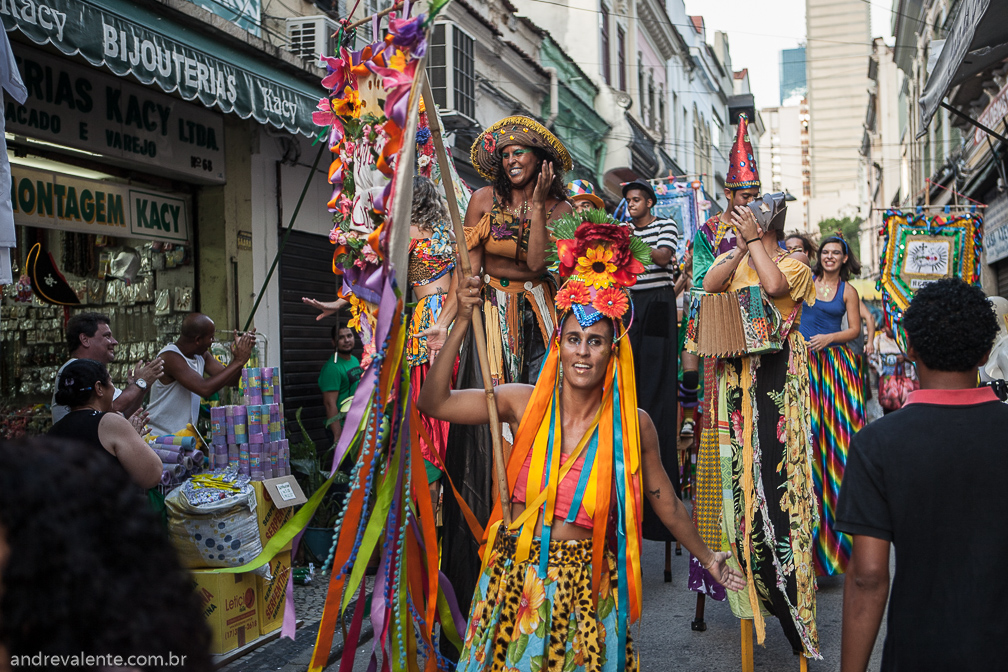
x=500, y=469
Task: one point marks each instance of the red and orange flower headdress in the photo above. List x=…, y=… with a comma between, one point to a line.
x=599, y=258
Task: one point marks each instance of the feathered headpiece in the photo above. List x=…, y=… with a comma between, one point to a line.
x=600, y=259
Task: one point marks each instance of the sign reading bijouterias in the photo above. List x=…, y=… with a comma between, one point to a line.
x=177, y=58
x=73, y=105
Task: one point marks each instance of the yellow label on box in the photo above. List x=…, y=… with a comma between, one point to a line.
x=269, y=517
x=272, y=595
x=230, y=607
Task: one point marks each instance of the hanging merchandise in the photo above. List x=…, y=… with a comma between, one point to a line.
x=919, y=249
x=125, y=280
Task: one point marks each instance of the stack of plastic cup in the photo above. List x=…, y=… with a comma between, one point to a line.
x=244, y=466
x=253, y=393
x=218, y=426
x=241, y=425
x=232, y=455
x=256, y=461
x=229, y=424
x=255, y=424
x=266, y=384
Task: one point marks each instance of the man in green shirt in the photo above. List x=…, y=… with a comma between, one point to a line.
x=339, y=377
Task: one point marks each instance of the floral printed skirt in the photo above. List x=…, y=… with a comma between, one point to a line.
x=769, y=512
x=521, y=621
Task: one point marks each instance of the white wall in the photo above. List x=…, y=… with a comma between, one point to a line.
x=313, y=217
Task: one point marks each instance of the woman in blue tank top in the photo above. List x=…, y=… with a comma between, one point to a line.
x=836, y=390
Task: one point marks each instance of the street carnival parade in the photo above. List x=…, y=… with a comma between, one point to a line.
x=535, y=386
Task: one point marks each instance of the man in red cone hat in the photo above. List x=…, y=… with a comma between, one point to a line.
x=714, y=238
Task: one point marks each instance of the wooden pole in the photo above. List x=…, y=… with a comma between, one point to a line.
x=747, y=655
x=477, y=317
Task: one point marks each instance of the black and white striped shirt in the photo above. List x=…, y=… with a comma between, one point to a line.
x=659, y=233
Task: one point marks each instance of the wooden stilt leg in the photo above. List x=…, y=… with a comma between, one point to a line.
x=678, y=548
x=698, y=624
x=747, y=653
x=802, y=663
x=668, y=561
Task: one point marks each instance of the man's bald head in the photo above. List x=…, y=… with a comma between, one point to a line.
x=197, y=334
x=196, y=325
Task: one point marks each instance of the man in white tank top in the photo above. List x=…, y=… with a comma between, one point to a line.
x=191, y=372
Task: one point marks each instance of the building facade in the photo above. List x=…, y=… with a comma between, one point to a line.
x=784, y=159
x=838, y=48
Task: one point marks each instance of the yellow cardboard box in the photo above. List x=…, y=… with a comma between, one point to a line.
x=269, y=516
x=272, y=595
x=229, y=607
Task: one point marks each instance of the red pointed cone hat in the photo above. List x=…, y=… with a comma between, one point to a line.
x=742, y=173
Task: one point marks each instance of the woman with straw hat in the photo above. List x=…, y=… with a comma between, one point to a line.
x=505, y=227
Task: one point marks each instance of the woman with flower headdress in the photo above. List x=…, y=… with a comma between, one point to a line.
x=551, y=593
x=837, y=391
x=505, y=231
x=768, y=514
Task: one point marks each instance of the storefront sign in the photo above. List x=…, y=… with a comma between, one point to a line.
x=244, y=13
x=57, y=201
x=996, y=230
x=77, y=106
x=992, y=116
x=174, y=56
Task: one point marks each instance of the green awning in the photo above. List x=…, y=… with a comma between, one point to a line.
x=132, y=40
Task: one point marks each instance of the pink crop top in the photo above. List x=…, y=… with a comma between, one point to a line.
x=565, y=491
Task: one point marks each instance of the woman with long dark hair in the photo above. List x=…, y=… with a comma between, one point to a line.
x=432, y=279
x=505, y=226
x=86, y=569
x=836, y=389
x=86, y=387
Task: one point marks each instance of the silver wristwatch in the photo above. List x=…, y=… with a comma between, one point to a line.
x=141, y=383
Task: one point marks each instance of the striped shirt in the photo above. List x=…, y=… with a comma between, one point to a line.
x=659, y=233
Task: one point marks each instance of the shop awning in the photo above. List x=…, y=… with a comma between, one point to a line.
x=129, y=39
x=977, y=39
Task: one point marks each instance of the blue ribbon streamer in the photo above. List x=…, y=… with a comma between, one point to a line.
x=582, y=485
x=623, y=593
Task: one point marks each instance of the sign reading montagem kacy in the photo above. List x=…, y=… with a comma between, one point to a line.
x=68, y=203
x=120, y=35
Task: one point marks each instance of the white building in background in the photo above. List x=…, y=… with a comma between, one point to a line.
x=880, y=152
x=839, y=45
x=783, y=159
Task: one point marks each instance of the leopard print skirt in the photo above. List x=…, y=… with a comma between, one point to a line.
x=521, y=621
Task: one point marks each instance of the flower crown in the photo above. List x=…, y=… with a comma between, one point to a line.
x=599, y=259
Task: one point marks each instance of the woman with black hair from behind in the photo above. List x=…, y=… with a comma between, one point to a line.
x=86, y=387
x=78, y=547
x=836, y=389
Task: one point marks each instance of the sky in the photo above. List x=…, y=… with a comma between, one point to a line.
x=756, y=39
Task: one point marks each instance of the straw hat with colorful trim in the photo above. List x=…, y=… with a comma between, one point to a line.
x=518, y=130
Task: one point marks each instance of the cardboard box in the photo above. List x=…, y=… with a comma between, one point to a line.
x=271, y=596
x=275, y=502
x=229, y=607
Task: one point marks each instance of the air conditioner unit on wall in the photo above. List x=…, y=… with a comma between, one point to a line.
x=451, y=67
x=310, y=36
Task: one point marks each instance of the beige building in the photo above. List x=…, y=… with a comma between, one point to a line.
x=880, y=152
x=784, y=158
x=839, y=45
